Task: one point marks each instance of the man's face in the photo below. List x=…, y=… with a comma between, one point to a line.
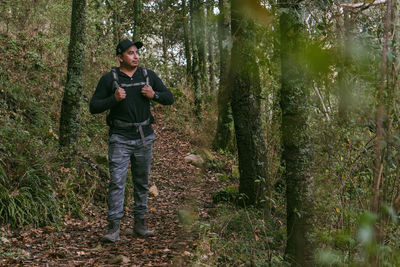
x=130, y=58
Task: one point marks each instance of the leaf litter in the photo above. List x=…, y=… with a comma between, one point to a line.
x=177, y=186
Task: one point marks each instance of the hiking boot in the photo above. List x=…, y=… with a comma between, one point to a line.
x=112, y=233
x=140, y=228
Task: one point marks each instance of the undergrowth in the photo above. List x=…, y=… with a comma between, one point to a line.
x=35, y=187
x=239, y=237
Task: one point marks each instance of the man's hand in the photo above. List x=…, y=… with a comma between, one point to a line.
x=147, y=91
x=120, y=94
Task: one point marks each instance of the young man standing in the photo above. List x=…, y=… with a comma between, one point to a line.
x=127, y=91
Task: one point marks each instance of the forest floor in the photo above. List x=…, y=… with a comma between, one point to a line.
x=183, y=189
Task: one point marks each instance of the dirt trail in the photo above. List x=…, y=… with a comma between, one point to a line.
x=77, y=244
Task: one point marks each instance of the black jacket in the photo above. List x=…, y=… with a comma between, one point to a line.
x=135, y=107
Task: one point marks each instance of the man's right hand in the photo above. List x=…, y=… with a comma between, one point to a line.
x=120, y=94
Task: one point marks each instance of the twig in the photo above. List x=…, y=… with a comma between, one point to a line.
x=322, y=103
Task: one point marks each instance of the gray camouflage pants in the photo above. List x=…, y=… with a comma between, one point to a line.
x=121, y=152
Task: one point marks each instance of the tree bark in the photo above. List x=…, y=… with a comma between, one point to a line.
x=224, y=136
x=198, y=57
x=246, y=105
x=186, y=36
x=297, y=149
x=210, y=44
x=137, y=20
x=70, y=109
x=200, y=38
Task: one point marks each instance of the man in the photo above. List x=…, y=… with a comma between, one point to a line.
x=126, y=92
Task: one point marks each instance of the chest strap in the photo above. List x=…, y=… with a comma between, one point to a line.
x=138, y=125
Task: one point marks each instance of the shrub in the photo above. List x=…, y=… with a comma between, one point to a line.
x=27, y=199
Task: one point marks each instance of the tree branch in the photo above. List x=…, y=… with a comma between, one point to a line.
x=363, y=5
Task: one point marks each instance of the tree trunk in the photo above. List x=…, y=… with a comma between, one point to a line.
x=246, y=105
x=164, y=38
x=116, y=22
x=137, y=17
x=70, y=109
x=345, y=100
x=200, y=38
x=186, y=36
x=197, y=65
x=297, y=150
x=210, y=42
x=382, y=111
x=223, y=137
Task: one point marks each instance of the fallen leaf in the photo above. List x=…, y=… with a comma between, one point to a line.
x=154, y=190
x=120, y=259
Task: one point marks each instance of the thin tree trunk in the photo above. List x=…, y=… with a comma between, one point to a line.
x=186, y=36
x=71, y=103
x=343, y=81
x=200, y=39
x=210, y=35
x=224, y=136
x=246, y=105
x=382, y=109
x=116, y=23
x=164, y=47
x=197, y=62
x=137, y=17
x=297, y=149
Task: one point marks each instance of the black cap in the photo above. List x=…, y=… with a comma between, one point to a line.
x=125, y=44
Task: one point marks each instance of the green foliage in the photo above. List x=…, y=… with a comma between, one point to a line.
x=27, y=200
x=359, y=247
x=240, y=237
x=26, y=192
x=227, y=194
x=35, y=188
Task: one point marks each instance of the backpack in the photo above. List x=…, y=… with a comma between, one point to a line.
x=116, y=86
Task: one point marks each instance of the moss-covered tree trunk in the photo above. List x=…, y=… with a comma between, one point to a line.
x=137, y=20
x=71, y=103
x=224, y=135
x=297, y=149
x=186, y=37
x=200, y=38
x=246, y=104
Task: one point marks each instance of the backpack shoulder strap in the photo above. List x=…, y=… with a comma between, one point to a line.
x=115, y=78
x=146, y=76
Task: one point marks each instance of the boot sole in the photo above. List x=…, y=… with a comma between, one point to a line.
x=140, y=235
x=108, y=240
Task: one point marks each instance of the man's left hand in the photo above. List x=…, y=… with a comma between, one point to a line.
x=147, y=91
